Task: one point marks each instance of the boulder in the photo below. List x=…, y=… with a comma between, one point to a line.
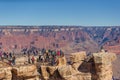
x=51, y=69
x=77, y=59
x=69, y=73
x=103, y=65
x=24, y=72
x=104, y=58
x=21, y=60
x=44, y=73
x=5, y=73
x=66, y=71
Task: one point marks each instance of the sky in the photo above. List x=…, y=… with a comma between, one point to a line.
x=60, y=12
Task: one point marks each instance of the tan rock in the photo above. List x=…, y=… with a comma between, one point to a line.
x=61, y=61
x=52, y=69
x=66, y=71
x=103, y=65
x=25, y=71
x=21, y=60
x=5, y=73
x=44, y=72
x=77, y=59
x=79, y=56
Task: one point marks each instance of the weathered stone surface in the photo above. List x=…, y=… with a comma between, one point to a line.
x=21, y=60
x=103, y=65
x=77, y=59
x=80, y=76
x=44, y=73
x=51, y=69
x=66, y=71
x=61, y=61
x=104, y=58
x=5, y=72
x=98, y=68
x=24, y=72
x=69, y=73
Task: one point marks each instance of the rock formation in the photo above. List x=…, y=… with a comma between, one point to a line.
x=5, y=71
x=103, y=65
x=97, y=66
x=25, y=72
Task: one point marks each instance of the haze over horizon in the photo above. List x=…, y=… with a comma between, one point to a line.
x=60, y=12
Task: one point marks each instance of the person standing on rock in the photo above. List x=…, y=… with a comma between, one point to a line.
x=58, y=53
x=10, y=55
x=61, y=53
x=33, y=59
x=1, y=55
x=29, y=59
x=13, y=59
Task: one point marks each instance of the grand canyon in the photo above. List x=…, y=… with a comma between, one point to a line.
x=69, y=39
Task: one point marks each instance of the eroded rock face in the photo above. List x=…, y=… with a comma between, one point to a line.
x=44, y=73
x=103, y=65
x=5, y=71
x=77, y=58
x=66, y=71
x=25, y=72
x=61, y=61
x=21, y=60
x=99, y=67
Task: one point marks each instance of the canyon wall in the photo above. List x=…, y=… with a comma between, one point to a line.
x=69, y=38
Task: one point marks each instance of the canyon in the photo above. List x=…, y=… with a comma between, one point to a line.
x=70, y=39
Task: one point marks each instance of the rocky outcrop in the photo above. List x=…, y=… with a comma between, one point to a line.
x=21, y=60
x=44, y=73
x=103, y=65
x=52, y=71
x=5, y=71
x=61, y=61
x=25, y=72
x=98, y=66
x=76, y=59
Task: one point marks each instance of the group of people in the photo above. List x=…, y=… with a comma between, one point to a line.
x=50, y=56
x=8, y=56
x=44, y=55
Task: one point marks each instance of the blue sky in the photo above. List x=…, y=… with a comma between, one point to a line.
x=60, y=12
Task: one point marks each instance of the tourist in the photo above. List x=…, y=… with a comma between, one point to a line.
x=7, y=54
x=53, y=53
x=13, y=59
x=39, y=59
x=47, y=56
x=53, y=60
x=1, y=55
x=10, y=55
x=61, y=53
x=58, y=53
x=42, y=58
x=29, y=59
x=33, y=59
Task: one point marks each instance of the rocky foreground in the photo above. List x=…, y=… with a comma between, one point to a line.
x=97, y=66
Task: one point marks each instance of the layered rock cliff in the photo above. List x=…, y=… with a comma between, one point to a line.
x=69, y=38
